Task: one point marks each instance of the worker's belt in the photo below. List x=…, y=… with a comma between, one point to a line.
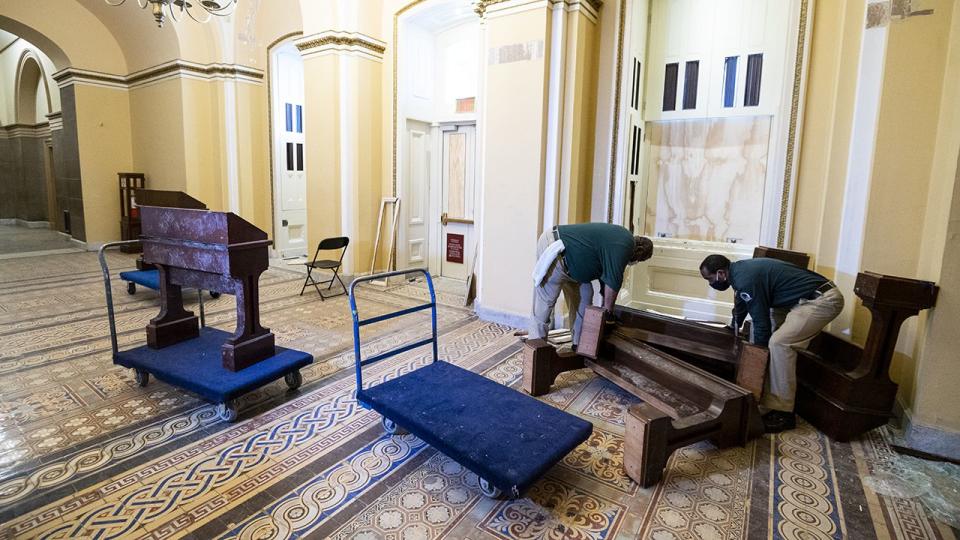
x=822, y=289
x=563, y=262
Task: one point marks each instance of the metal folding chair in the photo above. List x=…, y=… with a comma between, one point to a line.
x=329, y=244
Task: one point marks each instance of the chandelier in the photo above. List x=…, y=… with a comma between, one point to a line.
x=177, y=8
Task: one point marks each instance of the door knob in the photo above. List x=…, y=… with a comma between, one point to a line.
x=443, y=218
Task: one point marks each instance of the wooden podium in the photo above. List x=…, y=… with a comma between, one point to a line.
x=844, y=389
x=215, y=251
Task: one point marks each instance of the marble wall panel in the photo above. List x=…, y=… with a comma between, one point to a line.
x=707, y=178
x=23, y=189
x=9, y=176
x=69, y=169
x=32, y=204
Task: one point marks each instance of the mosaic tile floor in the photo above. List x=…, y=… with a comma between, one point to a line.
x=86, y=453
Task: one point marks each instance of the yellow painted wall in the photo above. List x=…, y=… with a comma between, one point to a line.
x=321, y=117
x=103, y=135
x=371, y=156
x=581, y=111
x=203, y=143
x=934, y=400
x=912, y=179
x=156, y=114
x=906, y=138
x=827, y=124
x=514, y=119
x=253, y=142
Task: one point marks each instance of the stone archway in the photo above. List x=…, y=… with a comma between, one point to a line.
x=30, y=79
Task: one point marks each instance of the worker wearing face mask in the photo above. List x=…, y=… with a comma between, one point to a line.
x=789, y=305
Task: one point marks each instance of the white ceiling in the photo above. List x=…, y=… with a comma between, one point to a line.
x=440, y=15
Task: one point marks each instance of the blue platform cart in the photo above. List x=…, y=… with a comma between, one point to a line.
x=507, y=438
x=195, y=364
x=147, y=278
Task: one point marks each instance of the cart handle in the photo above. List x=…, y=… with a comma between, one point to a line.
x=357, y=322
x=101, y=255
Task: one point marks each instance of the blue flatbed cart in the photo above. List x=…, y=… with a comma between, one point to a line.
x=149, y=279
x=507, y=438
x=196, y=364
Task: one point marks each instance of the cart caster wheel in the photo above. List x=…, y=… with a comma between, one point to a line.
x=131, y=288
x=214, y=294
x=293, y=379
x=227, y=411
x=389, y=425
x=489, y=490
x=142, y=377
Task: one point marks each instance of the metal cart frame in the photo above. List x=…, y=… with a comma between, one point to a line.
x=285, y=362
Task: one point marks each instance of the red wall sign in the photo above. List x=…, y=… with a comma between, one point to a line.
x=455, y=248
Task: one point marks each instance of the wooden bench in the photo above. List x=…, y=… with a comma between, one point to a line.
x=682, y=404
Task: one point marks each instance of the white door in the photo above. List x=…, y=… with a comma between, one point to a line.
x=415, y=189
x=458, y=199
x=290, y=182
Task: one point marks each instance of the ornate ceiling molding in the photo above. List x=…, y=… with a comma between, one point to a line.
x=334, y=42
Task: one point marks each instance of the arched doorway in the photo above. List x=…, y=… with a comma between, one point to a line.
x=289, y=175
x=438, y=93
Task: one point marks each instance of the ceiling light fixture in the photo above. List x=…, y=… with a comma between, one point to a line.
x=177, y=8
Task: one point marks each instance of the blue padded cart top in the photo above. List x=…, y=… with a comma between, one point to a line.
x=145, y=278
x=506, y=437
x=195, y=365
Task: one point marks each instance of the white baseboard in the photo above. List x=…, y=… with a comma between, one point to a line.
x=513, y=320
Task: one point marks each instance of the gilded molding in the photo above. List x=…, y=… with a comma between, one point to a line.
x=618, y=81
x=789, y=172
x=341, y=41
x=480, y=6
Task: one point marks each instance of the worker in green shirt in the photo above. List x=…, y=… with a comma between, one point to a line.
x=789, y=305
x=570, y=258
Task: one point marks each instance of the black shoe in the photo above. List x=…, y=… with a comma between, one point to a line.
x=777, y=421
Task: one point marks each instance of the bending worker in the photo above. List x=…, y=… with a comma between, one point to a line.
x=570, y=257
x=789, y=305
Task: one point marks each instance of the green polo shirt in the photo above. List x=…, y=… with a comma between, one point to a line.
x=764, y=283
x=596, y=251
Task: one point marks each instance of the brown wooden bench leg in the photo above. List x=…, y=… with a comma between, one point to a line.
x=542, y=364
x=752, y=368
x=646, y=449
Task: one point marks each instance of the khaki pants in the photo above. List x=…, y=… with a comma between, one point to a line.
x=794, y=330
x=578, y=296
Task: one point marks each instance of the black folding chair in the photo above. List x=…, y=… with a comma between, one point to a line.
x=329, y=244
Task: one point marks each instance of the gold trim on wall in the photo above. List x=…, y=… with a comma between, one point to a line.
x=343, y=39
x=788, y=171
x=618, y=81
